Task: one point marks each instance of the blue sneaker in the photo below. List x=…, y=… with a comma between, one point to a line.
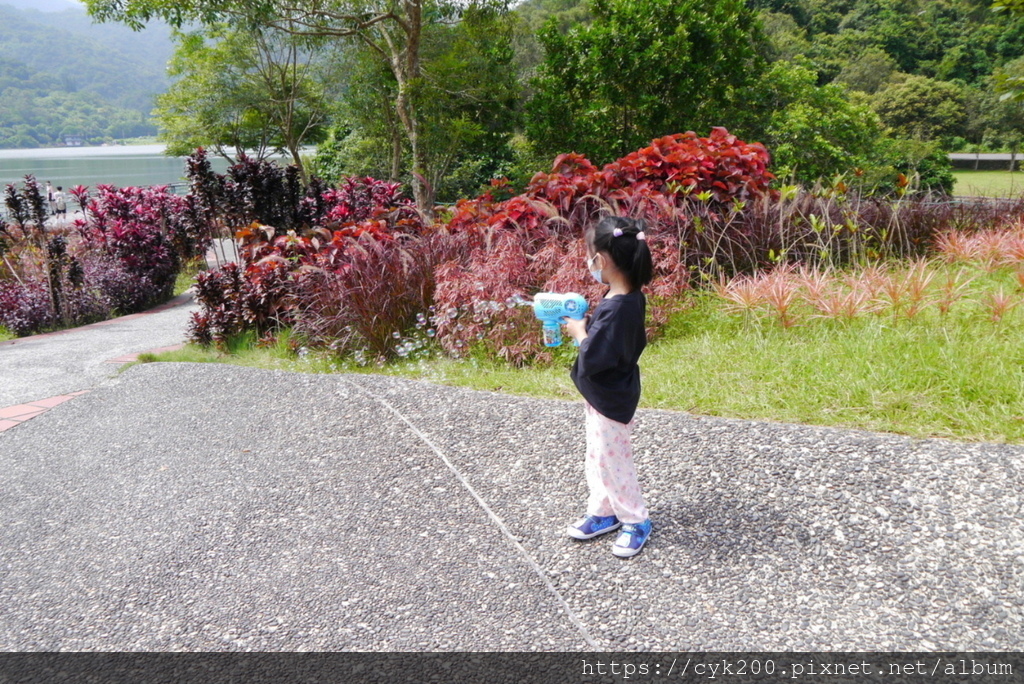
x=592, y=526
x=632, y=538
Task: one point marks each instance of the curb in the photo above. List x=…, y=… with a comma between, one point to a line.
x=13, y=416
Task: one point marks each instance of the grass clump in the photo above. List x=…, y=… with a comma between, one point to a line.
x=187, y=275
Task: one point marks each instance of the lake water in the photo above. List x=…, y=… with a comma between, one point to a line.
x=120, y=165
x=117, y=165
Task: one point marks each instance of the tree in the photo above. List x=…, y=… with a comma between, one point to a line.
x=532, y=15
x=211, y=104
x=391, y=28
x=995, y=123
x=813, y=131
x=786, y=38
x=249, y=91
x=642, y=69
x=468, y=108
x=471, y=103
x=922, y=108
x=1015, y=6
x=1010, y=85
x=869, y=71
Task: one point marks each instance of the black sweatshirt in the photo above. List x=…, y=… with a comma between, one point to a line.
x=606, y=371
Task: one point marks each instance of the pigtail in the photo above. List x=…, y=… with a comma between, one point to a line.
x=625, y=240
x=642, y=269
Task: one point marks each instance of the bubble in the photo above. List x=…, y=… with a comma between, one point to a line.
x=396, y=334
x=431, y=332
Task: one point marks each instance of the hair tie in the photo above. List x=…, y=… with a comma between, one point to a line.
x=641, y=236
x=617, y=232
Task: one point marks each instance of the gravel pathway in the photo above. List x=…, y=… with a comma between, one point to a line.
x=201, y=507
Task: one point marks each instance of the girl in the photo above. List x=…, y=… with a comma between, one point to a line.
x=607, y=375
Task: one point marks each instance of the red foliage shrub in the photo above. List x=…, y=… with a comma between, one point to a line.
x=122, y=256
x=25, y=306
x=533, y=242
x=234, y=300
x=367, y=291
x=134, y=227
x=359, y=271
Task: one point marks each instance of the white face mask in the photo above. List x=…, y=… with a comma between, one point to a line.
x=596, y=275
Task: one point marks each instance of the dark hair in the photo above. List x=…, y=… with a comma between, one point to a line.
x=631, y=254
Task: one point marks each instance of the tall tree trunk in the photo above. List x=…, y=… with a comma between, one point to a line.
x=406, y=65
x=293, y=149
x=396, y=153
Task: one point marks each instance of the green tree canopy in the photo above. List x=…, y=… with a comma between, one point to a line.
x=256, y=90
x=814, y=131
x=394, y=29
x=922, y=108
x=468, y=103
x=642, y=69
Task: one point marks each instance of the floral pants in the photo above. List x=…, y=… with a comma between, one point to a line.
x=611, y=474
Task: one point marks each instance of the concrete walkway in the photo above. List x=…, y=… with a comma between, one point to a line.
x=42, y=367
x=209, y=507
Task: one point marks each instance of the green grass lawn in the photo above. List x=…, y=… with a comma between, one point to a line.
x=988, y=183
x=959, y=376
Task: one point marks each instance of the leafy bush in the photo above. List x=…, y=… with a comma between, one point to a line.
x=25, y=306
x=368, y=291
x=348, y=265
x=235, y=300
x=533, y=242
x=123, y=256
x=135, y=229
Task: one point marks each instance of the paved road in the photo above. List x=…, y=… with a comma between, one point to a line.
x=43, y=366
x=205, y=507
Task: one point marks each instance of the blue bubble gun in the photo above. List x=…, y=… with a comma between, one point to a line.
x=551, y=308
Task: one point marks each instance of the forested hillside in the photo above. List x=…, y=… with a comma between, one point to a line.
x=927, y=67
x=62, y=75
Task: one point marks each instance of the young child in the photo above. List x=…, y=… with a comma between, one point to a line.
x=606, y=373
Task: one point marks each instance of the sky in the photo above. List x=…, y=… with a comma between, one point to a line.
x=43, y=5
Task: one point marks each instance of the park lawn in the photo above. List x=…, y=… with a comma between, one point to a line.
x=958, y=376
x=988, y=183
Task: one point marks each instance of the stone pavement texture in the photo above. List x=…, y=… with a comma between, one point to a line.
x=206, y=507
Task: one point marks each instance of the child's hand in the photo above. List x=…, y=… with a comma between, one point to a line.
x=576, y=329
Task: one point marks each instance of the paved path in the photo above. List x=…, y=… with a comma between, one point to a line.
x=206, y=507
x=43, y=366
